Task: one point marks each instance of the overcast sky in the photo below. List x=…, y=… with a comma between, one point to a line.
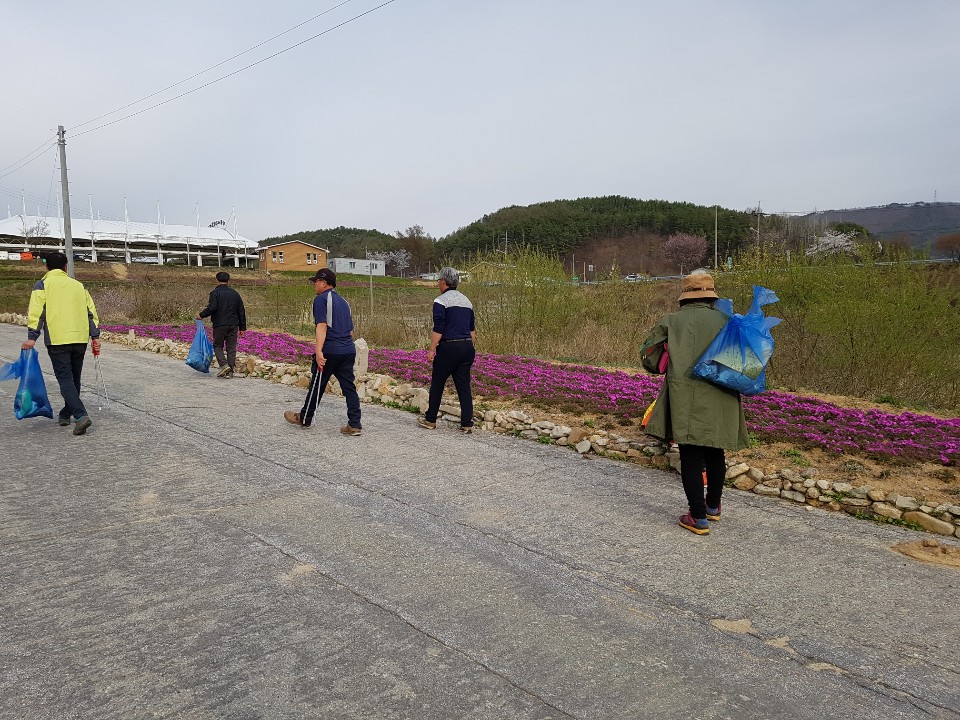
x=435, y=112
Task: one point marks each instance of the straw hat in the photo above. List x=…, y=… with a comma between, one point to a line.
x=698, y=285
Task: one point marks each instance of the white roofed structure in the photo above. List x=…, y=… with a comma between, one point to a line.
x=128, y=241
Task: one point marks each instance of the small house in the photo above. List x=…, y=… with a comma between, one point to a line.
x=293, y=255
x=354, y=266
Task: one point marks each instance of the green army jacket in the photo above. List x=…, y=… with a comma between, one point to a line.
x=689, y=410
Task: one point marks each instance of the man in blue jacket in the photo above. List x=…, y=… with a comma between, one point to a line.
x=334, y=355
x=63, y=311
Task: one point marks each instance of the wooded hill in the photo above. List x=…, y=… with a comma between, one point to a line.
x=561, y=226
x=340, y=241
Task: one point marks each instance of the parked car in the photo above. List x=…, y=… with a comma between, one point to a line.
x=635, y=277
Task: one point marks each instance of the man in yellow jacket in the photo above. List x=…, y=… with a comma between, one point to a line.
x=62, y=309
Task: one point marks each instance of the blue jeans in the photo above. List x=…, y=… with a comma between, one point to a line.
x=67, y=361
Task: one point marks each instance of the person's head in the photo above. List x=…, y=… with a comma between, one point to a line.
x=55, y=261
x=698, y=287
x=450, y=278
x=223, y=277
x=323, y=279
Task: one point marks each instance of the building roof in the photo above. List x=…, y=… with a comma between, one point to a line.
x=32, y=227
x=292, y=242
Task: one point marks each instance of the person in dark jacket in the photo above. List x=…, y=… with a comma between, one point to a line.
x=702, y=418
x=229, y=319
x=451, y=350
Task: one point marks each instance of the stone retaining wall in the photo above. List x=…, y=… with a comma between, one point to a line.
x=799, y=486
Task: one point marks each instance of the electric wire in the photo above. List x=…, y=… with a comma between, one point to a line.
x=42, y=146
x=23, y=162
x=212, y=67
x=235, y=72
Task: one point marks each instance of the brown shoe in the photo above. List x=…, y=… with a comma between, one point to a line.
x=293, y=418
x=424, y=423
x=466, y=429
x=347, y=430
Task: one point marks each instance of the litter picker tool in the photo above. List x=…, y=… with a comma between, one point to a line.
x=101, y=383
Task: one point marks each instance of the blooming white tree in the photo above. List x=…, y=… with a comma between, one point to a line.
x=399, y=259
x=832, y=242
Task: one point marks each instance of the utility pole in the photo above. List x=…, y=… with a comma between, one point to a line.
x=758, y=223
x=715, y=266
x=93, y=233
x=67, y=230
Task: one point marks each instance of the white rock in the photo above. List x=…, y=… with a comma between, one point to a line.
x=842, y=487
x=929, y=523
x=886, y=510
x=793, y=495
x=583, y=446
x=736, y=471
x=905, y=502
x=767, y=491
x=362, y=361
x=823, y=484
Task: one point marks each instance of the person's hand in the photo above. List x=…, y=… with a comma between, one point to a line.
x=28, y=344
x=431, y=353
x=197, y=317
x=95, y=344
x=321, y=360
x=242, y=332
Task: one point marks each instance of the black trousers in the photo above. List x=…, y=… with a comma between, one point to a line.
x=456, y=359
x=67, y=361
x=226, y=335
x=340, y=367
x=694, y=459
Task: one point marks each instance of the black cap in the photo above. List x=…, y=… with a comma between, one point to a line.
x=327, y=275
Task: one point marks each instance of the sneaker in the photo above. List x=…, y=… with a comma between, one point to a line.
x=63, y=421
x=424, y=423
x=466, y=430
x=293, y=418
x=82, y=425
x=347, y=430
x=223, y=371
x=695, y=525
x=713, y=513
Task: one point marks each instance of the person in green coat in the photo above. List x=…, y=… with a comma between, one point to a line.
x=702, y=418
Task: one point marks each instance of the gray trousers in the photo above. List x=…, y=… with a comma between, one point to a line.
x=226, y=335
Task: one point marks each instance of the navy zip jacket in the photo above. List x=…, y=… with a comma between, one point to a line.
x=453, y=316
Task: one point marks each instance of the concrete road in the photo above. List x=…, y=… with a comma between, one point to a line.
x=194, y=556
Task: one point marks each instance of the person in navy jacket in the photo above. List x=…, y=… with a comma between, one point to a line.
x=451, y=350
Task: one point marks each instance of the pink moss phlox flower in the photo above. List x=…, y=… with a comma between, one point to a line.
x=773, y=416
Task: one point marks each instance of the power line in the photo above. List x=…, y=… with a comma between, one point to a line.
x=33, y=156
x=212, y=67
x=235, y=72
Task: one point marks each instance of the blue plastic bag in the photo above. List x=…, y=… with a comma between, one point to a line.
x=31, y=399
x=737, y=358
x=201, y=351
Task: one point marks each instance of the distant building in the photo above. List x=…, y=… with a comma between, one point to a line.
x=293, y=255
x=126, y=241
x=355, y=266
